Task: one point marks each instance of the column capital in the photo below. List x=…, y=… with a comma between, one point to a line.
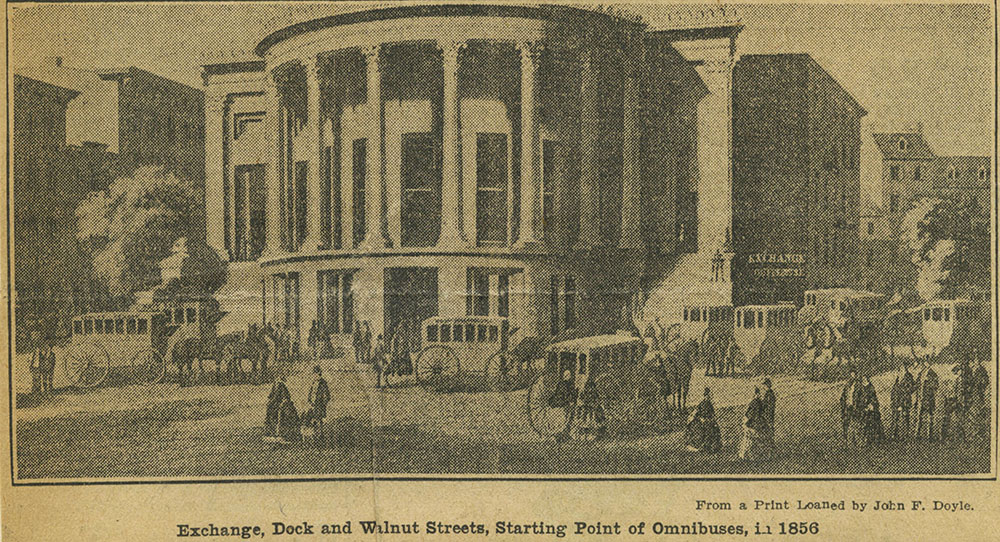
x=216, y=103
x=530, y=50
x=312, y=64
x=371, y=53
x=451, y=48
x=719, y=65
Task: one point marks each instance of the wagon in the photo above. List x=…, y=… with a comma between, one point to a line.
x=591, y=382
x=131, y=341
x=138, y=343
x=471, y=345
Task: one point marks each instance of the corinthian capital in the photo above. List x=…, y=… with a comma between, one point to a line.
x=530, y=50
x=371, y=53
x=450, y=49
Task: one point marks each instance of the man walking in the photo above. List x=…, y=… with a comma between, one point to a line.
x=851, y=405
x=769, y=404
x=36, y=363
x=319, y=397
x=378, y=361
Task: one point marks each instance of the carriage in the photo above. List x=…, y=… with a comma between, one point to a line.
x=748, y=338
x=132, y=342
x=469, y=345
x=593, y=383
x=137, y=344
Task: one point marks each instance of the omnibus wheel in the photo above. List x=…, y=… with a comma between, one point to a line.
x=436, y=361
x=545, y=419
x=87, y=365
x=148, y=366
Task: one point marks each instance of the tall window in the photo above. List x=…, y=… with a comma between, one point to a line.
x=334, y=302
x=893, y=203
x=285, y=302
x=358, y=164
x=894, y=173
x=479, y=287
x=549, y=179
x=249, y=212
x=482, y=283
x=301, y=194
x=916, y=173
x=491, y=189
x=420, y=220
x=562, y=303
x=569, y=303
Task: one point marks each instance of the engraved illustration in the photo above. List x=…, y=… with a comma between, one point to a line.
x=500, y=240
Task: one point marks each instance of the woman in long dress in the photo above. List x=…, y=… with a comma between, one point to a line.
x=754, y=429
x=872, y=415
x=702, y=433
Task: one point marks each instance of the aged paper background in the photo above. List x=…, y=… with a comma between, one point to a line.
x=152, y=509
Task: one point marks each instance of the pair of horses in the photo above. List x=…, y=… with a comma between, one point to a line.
x=673, y=367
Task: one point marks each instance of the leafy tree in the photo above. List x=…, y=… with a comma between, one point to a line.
x=130, y=227
x=949, y=244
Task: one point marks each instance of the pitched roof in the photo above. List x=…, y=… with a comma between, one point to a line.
x=903, y=146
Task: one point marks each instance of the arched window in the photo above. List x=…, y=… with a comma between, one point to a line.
x=902, y=144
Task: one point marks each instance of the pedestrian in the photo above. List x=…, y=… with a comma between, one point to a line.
x=289, y=425
x=702, y=433
x=279, y=394
x=754, y=426
x=319, y=397
x=900, y=401
x=928, y=395
x=49, y=369
x=378, y=361
x=851, y=404
x=769, y=404
x=366, y=344
x=36, y=363
x=312, y=340
x=357, y=341
x=872, y=430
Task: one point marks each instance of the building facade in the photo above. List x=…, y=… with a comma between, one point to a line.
x=74, y=132
x=389, y=165
x=909, y=170
x=796, y=179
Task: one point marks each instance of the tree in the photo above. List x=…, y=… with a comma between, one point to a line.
x=130, y=227
x=950, y=246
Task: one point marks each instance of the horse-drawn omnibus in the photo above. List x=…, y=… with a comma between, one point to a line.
x=464, y=345
x=133, y=342
x=591, y=383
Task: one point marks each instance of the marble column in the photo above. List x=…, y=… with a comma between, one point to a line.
x=715, y=213
x=590, y=226
x=451, y=210
x=314, y=238
x=215, y=174
x=375, y=233
x=273, y=167
x=530, y=178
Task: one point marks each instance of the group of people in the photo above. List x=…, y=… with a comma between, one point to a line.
x=703, y=434
x=283, y=421
x=917, y=400
x=43, y=366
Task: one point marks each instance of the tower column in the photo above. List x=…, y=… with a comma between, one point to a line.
x=313, y=239
x=273, y=167
x=530, y=179
x=589, y=212
x=631, y=181
x=375, y=231
x=451, y=210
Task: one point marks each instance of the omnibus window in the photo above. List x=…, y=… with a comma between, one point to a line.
x=482, y=333
x=748, y=321
x=432, y=333
x=494, y=332
x=947, y=314
x=120, y=325
x=567, y=362
x=583, y=364
x=88, y=326
x=77, y=327
x=166, y=315
x=142, y=325
x=927, y=314
x=739, y=318
x=937, y=314
x=456, y=333
x=470, y=332
x=98, y=326
x=130, y=327
x=445, y=333
x=685, y=314
x=178, y=316
x=696, y=315
x=109, y=326
x=760, y=318
x=191, y=315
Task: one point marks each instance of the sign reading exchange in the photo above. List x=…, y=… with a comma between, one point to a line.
x=770, y=265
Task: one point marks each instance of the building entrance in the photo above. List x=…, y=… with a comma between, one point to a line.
x=411, y=295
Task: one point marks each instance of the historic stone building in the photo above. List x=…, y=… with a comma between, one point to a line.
x=546, y=164
x=796, y=179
